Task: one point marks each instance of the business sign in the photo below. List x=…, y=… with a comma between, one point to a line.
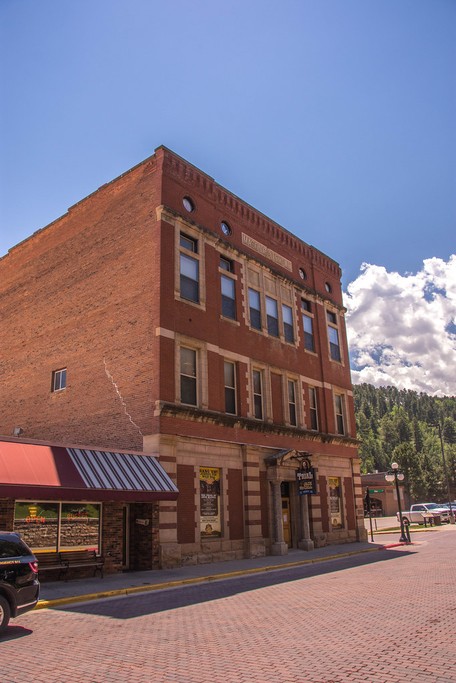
x=376, y=490
x=305, y=478
x=210, y=517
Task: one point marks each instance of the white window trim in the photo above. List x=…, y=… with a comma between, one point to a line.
x=199, y=256
x=201, y=370
x=336, y=326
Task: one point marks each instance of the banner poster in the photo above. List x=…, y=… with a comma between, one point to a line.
x=210, y=518
x=335, y=502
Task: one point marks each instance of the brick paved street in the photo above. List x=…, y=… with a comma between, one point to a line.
x=382, y=617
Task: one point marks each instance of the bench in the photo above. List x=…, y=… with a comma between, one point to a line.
x=51, y=561
x=76, y=559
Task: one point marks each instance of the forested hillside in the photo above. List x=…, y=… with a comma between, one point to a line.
x=400, y=426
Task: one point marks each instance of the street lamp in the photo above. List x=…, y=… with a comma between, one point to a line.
x=395, y=474
x=445, y=471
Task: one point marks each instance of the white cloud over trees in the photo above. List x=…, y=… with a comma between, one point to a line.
x=402, y=328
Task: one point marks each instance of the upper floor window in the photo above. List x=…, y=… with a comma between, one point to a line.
x=313, y=409
x=255, y=309
x=58, y=380
x=340, y=413
x=228, y=287
x=230, y=387
x=307, y=324
x=287, y=316
x=272, y=316
x=292, y=413
x=257, y=377
x=333, y=336
x=189, y=269
x=188, y=370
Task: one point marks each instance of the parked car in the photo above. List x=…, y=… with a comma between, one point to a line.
x=19, y=585
x=419, y=510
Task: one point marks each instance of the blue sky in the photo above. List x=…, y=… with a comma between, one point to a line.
x=335, y=118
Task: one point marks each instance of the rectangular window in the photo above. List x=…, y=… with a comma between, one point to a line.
x=307, y=324
x=287, y=315
x=292, y=402
x=272, y=316
x=189, y=278
x=58, y=380
x=255, y=309
x=333, y=336
x=230, y=387
x=188, y=376
x=228, y=297
x=339, y=409
x=226, y=264
x=188, y=243
x=313, y=409
x=59, y=526
x=257, y=394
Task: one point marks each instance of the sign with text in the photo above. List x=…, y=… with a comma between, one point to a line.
x=305, y=478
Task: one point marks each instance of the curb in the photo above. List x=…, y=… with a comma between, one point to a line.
x=119, y=592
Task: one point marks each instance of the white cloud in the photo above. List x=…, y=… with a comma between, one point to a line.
x=402, y=328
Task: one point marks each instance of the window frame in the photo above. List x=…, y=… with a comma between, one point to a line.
x=189, y=286
x=340, y=416
x=258, y=327
x=61, y=376
x=292, y=404
x=272, y=322
x=313, y=409
x=232, y=389
x=335, y=349
x=186, y=376
x=288, y=326
x=227, y=279
x=308, y=318
x=255, y=394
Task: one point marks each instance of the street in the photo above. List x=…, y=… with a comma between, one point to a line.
x=383, y=617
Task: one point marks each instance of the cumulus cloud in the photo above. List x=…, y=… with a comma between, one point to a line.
x=402, y=328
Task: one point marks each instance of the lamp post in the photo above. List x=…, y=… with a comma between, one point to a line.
x=445, y=471
x=395, y=474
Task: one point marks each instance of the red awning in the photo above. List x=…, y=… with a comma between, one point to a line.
x=57, y=473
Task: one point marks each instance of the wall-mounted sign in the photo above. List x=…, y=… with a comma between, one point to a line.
x=305, y=478
x=210, y=518
x=335, y=502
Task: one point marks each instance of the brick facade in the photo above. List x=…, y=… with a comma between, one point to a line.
x=99, y=292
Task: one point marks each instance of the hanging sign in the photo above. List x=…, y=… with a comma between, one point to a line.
x=305, y=478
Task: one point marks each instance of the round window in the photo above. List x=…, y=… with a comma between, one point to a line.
x=328, y=287
x=302, y=274
x=225, y=228
x=188, y=204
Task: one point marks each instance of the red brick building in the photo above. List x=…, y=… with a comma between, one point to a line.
x=163, y=314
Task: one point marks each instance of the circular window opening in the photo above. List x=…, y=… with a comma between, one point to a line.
x=225, y=228
x=188, y=204
x=328, y=287
x=302, y=274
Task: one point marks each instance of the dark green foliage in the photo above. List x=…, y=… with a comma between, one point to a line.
x=400, y=425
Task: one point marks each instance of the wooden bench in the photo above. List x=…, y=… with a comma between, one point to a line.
x=51, y=561
x=76, y=559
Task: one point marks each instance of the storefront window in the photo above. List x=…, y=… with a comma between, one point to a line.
x=79, y=526
x=38, y=524
x=335, y=502
x=58, y=526
x=210, y=518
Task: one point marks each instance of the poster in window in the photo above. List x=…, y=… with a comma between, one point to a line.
x=210, y=518
x=335, y=502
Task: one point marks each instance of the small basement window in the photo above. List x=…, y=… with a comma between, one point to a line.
x=58, y=380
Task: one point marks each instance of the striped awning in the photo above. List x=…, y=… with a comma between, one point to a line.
x=60, y=473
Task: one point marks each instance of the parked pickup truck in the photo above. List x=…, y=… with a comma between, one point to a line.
x=418, y=511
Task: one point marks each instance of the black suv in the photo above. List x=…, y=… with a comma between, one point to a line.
x=19, y=585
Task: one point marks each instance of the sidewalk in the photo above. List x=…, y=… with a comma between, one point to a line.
x=55, y=593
